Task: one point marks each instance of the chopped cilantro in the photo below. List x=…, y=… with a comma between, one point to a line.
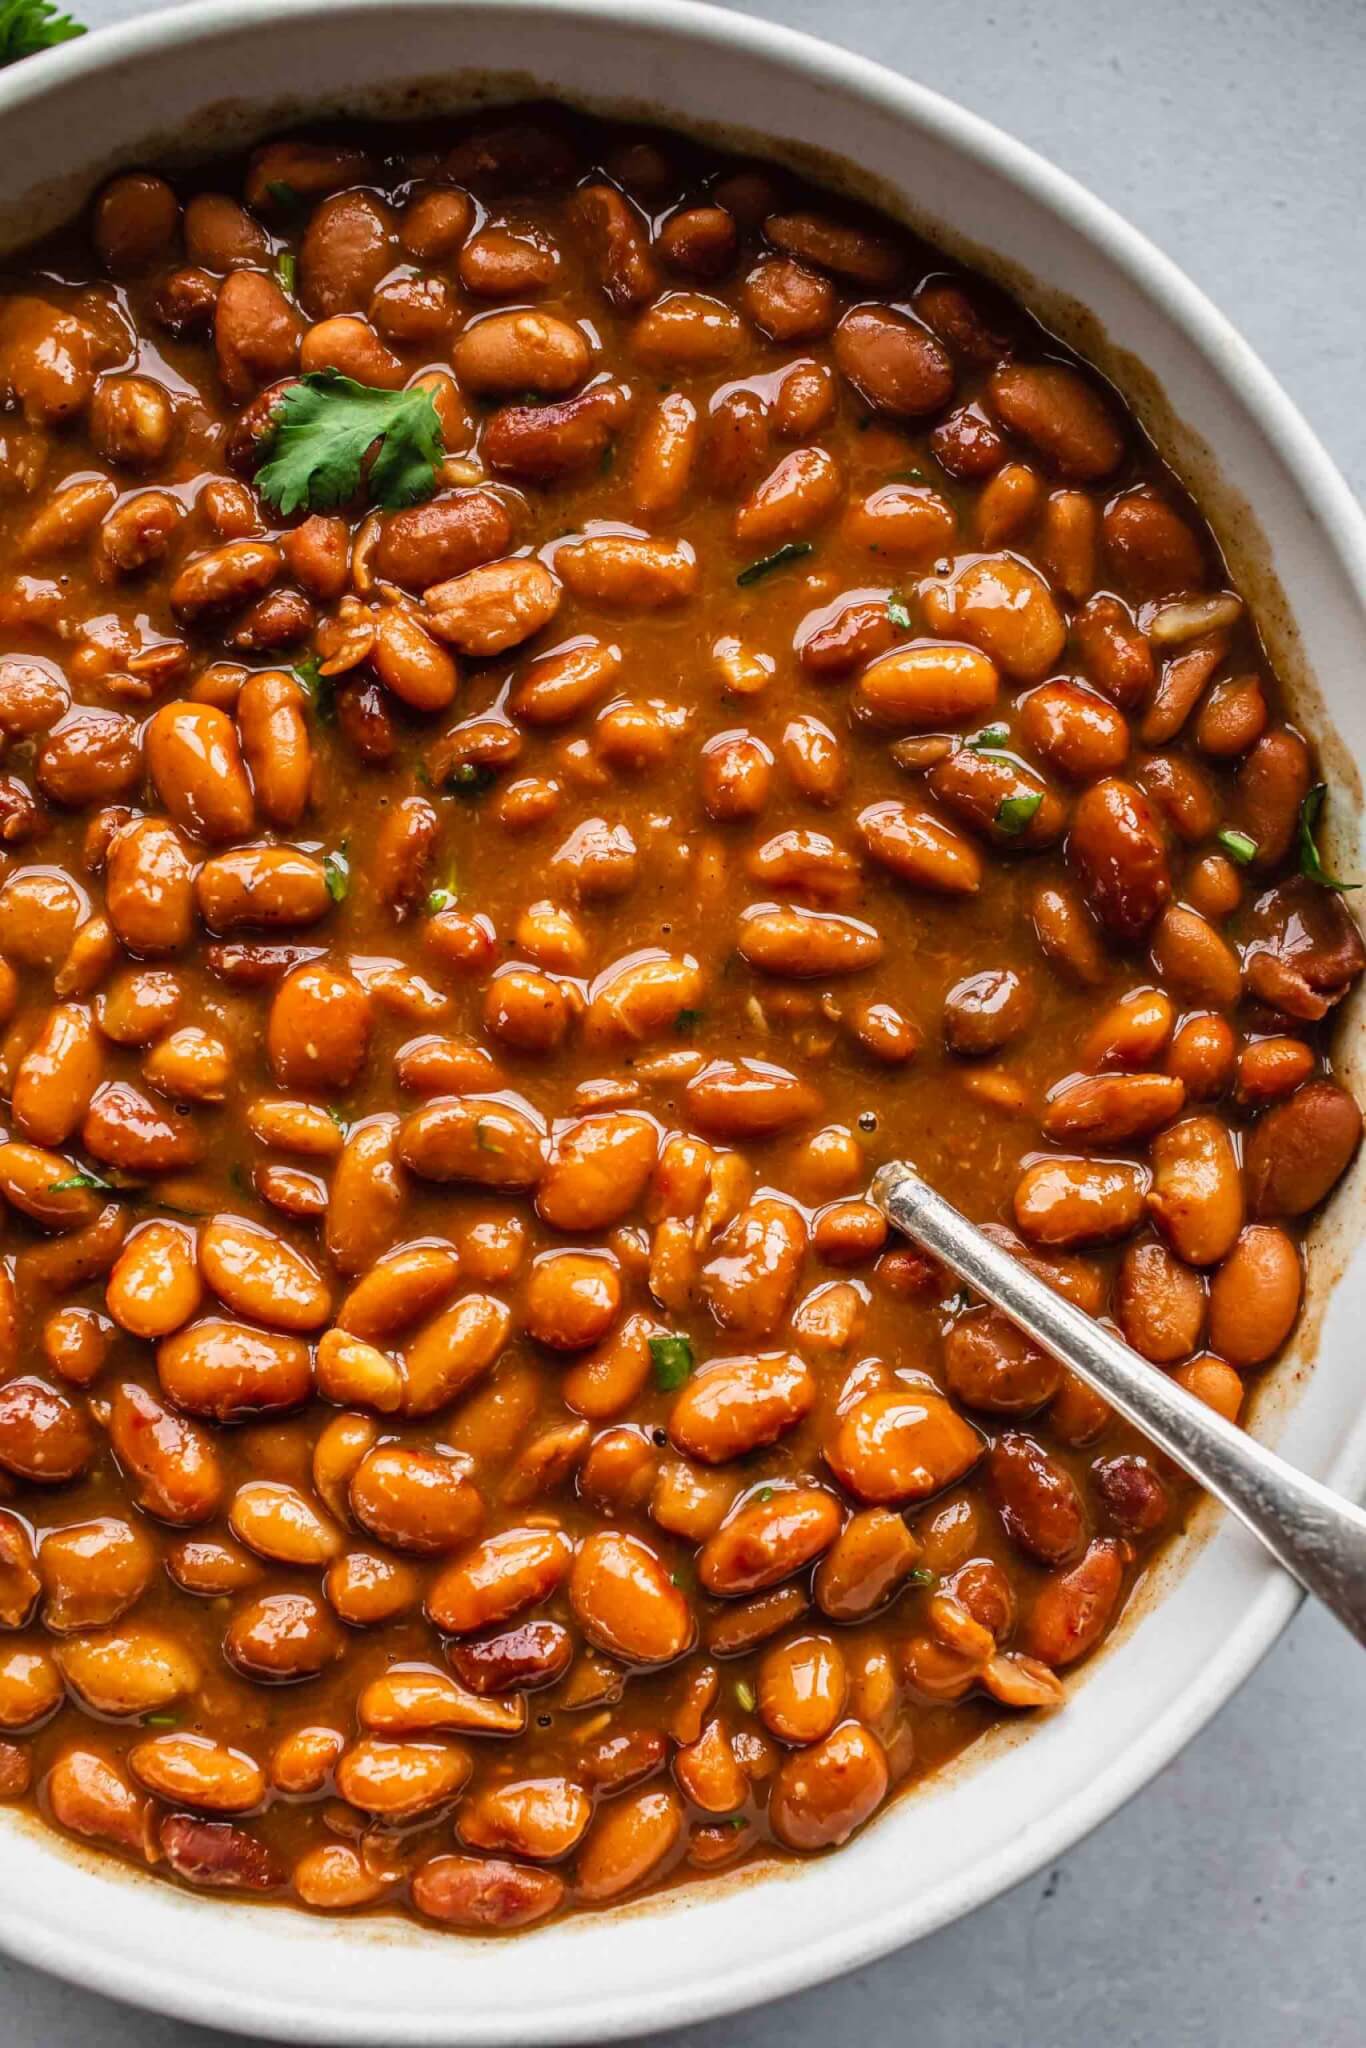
x=1238, y=846
x=922, y=1576
x=744, y=1692
x=990, y=740
x=28, y=26
x=469, y=778
x=672, y=1360
x=1013, y=813
x=482, y=1135
x=337, y=873
x=338, y=1119
x=287, y=270
x=319, y=688
x=791, y=551
x=326, y=424
x=764, y=1495
x=685, y=1023
x=161, y=1720
x=88, y=1179
x=1311, y=861
x=899, y=613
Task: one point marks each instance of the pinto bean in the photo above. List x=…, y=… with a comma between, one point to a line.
x=1197, y=1192
x=1298, y=1150
x=88, y=1796
x=893, y=362
x=1072, y=1607
x=748, y=1098
x=1037, y=1499
x=1079, y=735
x=1149, y=545
x=628, y=1841
x=193, y=1770
x=1056, y=410
x=1113, y=1109
x=1255, y=1295
x=990, y=1364
x=318, y=1030
x=92, y=1572
x=749, y=1282
x=485, y=1892
x=279, y=1638
x=474, y=1139
x=418, y=1501
x=822, y=1794
x=224, y=1371
x=523, y=351
x=1003, y=608
x=1159, y=1303
x=736, y=1405
x=1066, y=1203
x=128, y=1671
x=1118, y=848
x=171, y=1465
x=625, y=1601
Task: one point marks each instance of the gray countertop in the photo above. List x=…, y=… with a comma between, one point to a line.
x=1224, y=1906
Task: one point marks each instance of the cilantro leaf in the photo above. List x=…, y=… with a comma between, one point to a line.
x=320, y=688
x=1013, y=813
x=672, y=1360
x=791, y=551
x=1311, y=861
x=337, y=873
x=745, y=1694
x=326, y=424
x=1239, y=846
x=87, y=1180
x=27, y=26
x=898, y=611
x=992, y=739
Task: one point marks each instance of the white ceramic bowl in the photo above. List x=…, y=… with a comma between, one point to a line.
x=224, y=71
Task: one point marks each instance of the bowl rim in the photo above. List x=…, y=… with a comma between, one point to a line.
x=173, y=1987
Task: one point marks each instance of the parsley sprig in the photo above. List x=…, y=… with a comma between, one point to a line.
x=28, y=26
x=326, y=425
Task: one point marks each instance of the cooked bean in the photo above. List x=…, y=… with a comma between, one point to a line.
x=1298, y=1150
x=822, y=1794
x=1197, y=1192
x=625, y=1601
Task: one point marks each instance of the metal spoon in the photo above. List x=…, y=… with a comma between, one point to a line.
x=1316, y=1535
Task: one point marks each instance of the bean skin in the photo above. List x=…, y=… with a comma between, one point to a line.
x=1299, y=1149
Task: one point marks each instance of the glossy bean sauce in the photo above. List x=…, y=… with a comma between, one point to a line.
x=466, y=1442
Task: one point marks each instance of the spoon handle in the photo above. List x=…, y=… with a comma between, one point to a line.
x=1317, y=1536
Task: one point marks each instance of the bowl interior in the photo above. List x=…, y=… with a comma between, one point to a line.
x=208, y=79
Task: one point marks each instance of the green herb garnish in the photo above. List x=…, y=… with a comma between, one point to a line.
x=899, y=613
x=338, y=1119
x=992, y=739
x=326, y=425
x=28, y=26
x=685, y=1023
x=764, y=1495
x=1238, y=846
x=83, y=1180
x=482, y=1138
x=922, y=1576
x=161, y=1720
x=1013, y=813
x=319, y=688
x=672, y=1360
x=287, y=270
x=1311, y=861
x=337, y=873
x=469, y=778
x=744, y=1692
x=791, y=551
